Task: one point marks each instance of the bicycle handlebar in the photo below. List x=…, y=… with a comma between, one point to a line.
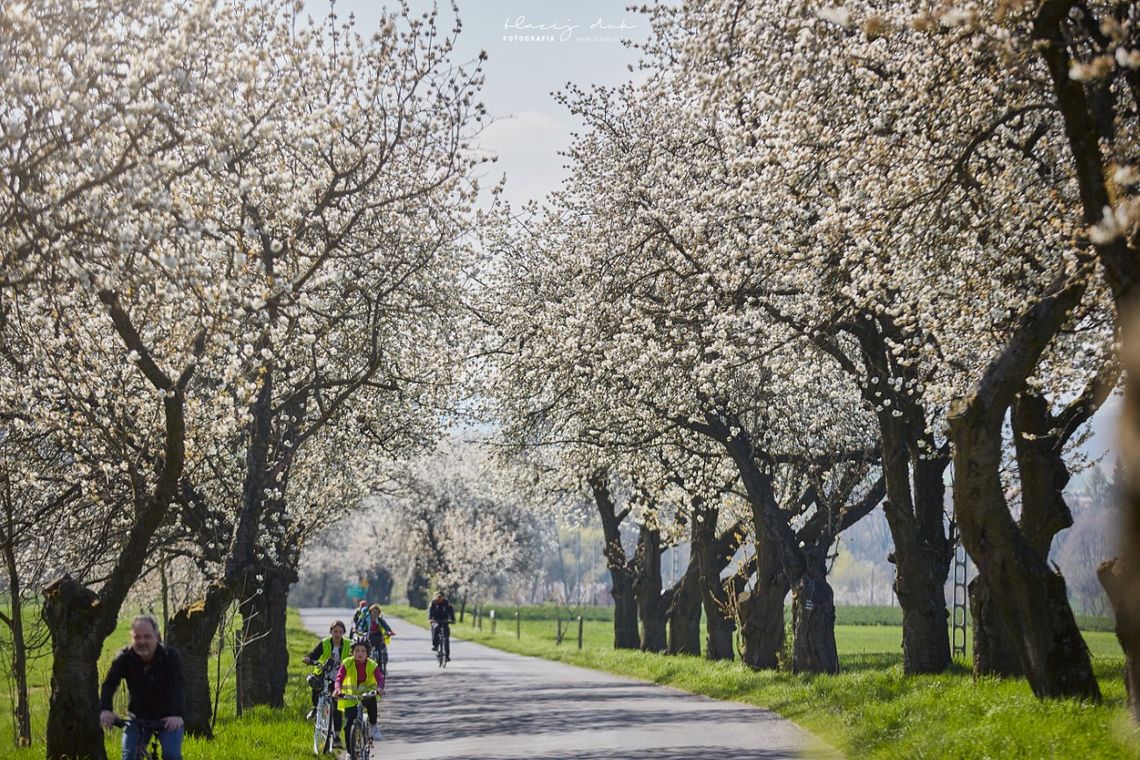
x=144, y=723
x=362, y=695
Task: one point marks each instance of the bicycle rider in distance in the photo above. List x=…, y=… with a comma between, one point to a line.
x=153, y=672
x=440, y=613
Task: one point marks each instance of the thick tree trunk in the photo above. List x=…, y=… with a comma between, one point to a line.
x=264, y=658
x=762, y=613
x=719, y=624
x=684, y=611
x=922, y=550
x=994, y=652
x=647, y=586
x=1116, y=580
x=808, y=583
x=1032, y=602
x=813, y=618
x=626, y=635
x=78, y=629
x=191, y=632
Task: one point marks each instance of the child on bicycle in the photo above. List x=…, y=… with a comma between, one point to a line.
x=378, y=632
x=358, y=675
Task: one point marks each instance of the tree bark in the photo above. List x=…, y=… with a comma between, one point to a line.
x=1032, y=603
x=1117, y=581
x=191, y=631
x=684, y=612
x=647, y=585
x=719, y=624
x=914, y=506
x=813, y=618
x=994, y=652
x=922, y=550
x=762, y=613
x=15, y=621
x=626, y=635
x=808, y=584
x=78, y=629
x=418, y=588
x=264, y=657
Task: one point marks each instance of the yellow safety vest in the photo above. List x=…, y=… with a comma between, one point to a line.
x=349, y=684
x=326, y=652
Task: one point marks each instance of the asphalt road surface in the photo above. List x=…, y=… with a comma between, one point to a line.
x=492, y=705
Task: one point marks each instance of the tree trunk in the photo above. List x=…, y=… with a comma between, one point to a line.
x=1032, y=603
x=647, y=587
x=191, y=631
x=725, y=427
x=762, y=613
x=994, y=652
x=626, y=635
x=264, y=657
x=711, y=562
x=813, y=618
x=418, y=588
x=922, y=550
x=22, y=712
x=684, y=612
x=380, y=584
x=78, y=630
x=1116, y=580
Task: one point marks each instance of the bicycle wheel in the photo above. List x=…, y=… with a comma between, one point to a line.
x=384, y=661
x=323, y=727
x=358, y=747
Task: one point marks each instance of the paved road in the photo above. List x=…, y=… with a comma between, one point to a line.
x=493, y=705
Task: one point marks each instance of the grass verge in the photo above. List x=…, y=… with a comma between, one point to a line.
x=870, y=709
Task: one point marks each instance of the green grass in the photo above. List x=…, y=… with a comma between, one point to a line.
x=870, y=709
x=260, y=734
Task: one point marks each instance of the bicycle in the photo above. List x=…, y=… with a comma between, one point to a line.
x=147, y=729
x=359, y=733
x=324, y=727
x=443, y=651
x=378, y=650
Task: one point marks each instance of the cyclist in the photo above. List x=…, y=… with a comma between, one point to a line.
x=329, y=652
x=153, y=672
x=356, y=675
x=378, y=629
x=361, y=621
x=440, y=614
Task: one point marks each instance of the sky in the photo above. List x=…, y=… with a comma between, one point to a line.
x=534, y=48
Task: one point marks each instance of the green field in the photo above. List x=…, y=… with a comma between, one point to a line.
x=870, y=709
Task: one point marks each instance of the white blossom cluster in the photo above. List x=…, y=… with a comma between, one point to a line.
x=792, y=181
x=271, y=207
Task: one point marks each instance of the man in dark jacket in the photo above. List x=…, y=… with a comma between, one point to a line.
x=440, y=615
x=153, y=673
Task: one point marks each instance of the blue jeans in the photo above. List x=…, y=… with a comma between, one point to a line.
x=135, y=738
